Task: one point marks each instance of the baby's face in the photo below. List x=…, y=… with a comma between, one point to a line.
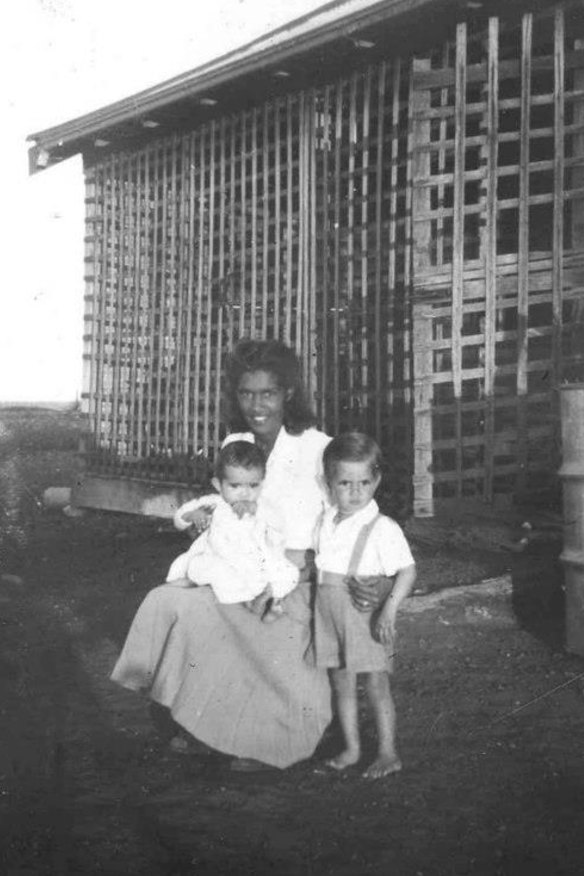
x=240, y=487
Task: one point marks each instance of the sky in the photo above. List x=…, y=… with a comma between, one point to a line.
x=60, y=59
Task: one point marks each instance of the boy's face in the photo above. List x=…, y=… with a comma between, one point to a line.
x=352, y=486
x=240, y=487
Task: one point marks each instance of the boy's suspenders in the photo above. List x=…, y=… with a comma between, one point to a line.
x=359, y=546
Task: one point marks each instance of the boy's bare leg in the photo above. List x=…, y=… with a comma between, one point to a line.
x=379, y=692
x=345, y=688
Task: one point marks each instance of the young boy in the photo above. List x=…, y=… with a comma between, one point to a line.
x=241, y=554
x=356, y=542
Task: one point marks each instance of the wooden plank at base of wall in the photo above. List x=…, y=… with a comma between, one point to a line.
x=130, y=496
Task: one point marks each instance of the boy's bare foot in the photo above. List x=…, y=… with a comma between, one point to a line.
x=384, y=765
x=344, y=759
x=179, y=745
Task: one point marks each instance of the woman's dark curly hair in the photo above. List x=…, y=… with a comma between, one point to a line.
x=281, y=362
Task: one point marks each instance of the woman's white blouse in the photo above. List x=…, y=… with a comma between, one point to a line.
x=294, y=482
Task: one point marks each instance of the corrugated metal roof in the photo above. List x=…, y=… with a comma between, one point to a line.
x=340, y=18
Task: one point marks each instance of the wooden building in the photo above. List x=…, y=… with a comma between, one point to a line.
x=396, y=189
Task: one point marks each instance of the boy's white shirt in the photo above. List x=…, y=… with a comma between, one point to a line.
x=238, y=557
x=386, y=550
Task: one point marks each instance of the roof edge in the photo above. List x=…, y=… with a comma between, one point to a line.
x=261, y=52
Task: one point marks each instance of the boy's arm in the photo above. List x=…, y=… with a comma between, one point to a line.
x=403, y=586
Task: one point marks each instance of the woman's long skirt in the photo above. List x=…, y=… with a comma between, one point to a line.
x=235, y=683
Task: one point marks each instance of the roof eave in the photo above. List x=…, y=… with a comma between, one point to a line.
x=245, y=61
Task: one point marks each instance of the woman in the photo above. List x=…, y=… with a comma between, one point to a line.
x=236, y=684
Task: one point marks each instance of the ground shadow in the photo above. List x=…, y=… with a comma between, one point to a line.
x=537, y=592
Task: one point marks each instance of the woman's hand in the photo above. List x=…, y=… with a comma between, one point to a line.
x=367, y=595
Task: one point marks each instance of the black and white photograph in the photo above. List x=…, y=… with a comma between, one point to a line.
x=292, y=438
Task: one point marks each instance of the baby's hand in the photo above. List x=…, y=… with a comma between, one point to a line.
x=198, y=519
x=242, y=508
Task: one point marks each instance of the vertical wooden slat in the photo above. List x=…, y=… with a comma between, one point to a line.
x=188, y=387
x=311, y=286
x=439, y=236
x=364, y=280
x=351, y=239
x=94, y=219
x=174, y=325
x=337, y=253
x=243, y=229
x=162, y=182
x=109, y=231
x=232, y=232
x=151, y=415
x=420, y=170
x=180, y=439
x=254, y=223
x=208, y=280
x=277, y=217
x=558, y=204
x=523, y=247
x=418, y=163
x=422, y=355
x=134, y=252
x=116, y=309
x=299, y=309
x=265, y=219
x=200, y=255
x=145, y=312
x=289, y=227
x=182, y=342
x=396, y=73
x=416, y=264
x=378, y=321
x=458, y=235
x=219, y=346
x=491, y=249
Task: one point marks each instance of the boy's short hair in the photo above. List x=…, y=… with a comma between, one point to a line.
x=243, y=454
x=351, y=447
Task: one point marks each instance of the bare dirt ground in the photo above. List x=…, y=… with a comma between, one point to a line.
x=490, y=707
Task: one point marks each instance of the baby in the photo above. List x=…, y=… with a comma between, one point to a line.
x=242, y=553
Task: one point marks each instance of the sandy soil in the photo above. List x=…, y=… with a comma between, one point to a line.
x=491, y=710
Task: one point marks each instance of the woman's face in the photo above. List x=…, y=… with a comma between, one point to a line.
x=261, y=401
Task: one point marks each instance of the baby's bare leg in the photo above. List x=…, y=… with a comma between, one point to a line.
x=379, y=692
x=274, y=611
x=345, y=688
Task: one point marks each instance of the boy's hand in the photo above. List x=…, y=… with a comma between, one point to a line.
x=384, y=627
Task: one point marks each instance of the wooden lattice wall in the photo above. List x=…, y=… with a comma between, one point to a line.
x=415, y=232
x=498, y=268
